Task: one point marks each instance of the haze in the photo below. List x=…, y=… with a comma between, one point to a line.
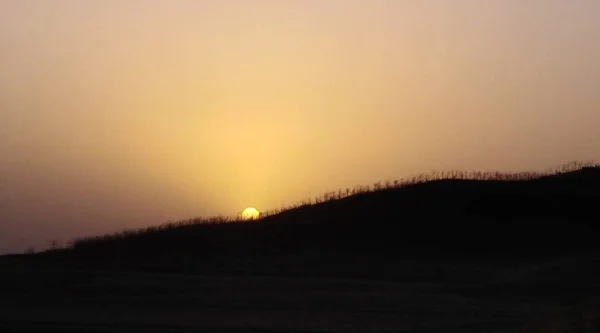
x=122, y=114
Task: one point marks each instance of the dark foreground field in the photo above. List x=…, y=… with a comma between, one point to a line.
x=449, y=255
x=455, y=296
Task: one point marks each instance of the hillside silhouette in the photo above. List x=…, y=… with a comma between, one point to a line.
x=441, y=214
x=458, y=251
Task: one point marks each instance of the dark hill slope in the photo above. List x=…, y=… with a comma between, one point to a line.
x=548, y=213
x=564, y=195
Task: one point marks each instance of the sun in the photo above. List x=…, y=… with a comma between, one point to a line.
x=250, y=213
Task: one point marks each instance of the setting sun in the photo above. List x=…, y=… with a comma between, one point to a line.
x=250, y=213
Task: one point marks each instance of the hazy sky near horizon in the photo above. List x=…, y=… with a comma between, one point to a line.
x=120, y=114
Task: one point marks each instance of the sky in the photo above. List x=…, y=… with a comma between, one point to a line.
x=123, y=114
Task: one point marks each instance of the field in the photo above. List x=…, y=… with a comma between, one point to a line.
x=437, y=296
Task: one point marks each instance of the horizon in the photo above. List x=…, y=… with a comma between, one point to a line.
x=251, y=213
x=120, y=115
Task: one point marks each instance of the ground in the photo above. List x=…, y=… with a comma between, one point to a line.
x=507, y=299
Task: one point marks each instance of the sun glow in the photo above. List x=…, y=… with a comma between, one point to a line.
x=250, y=213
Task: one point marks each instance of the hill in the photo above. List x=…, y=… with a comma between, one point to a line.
x=444, y=252
x=466, y=214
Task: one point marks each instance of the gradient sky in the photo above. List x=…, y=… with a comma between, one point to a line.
x=121, y=114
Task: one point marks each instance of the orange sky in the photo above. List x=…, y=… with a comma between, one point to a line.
x=120, y=114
